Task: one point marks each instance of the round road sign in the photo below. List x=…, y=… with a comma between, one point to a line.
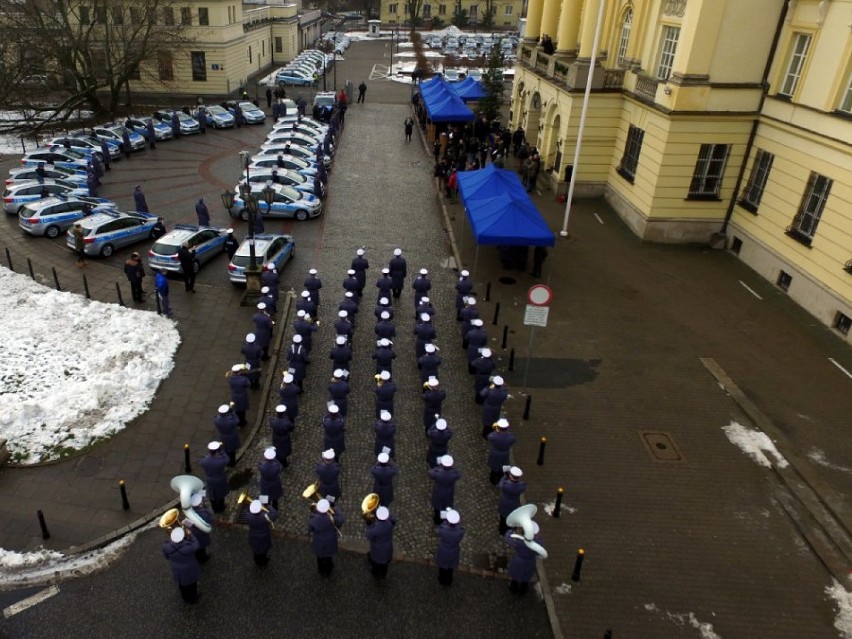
x=540, y=295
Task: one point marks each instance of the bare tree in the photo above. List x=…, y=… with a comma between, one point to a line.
x=412, y=9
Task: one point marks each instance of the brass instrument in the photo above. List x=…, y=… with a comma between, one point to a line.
x=245, y=498
x=379, y=380
x=495, y=427
x=368, y=507
x=312, y=494
x=169, y=519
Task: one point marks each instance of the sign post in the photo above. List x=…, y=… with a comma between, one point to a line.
x=538, y=308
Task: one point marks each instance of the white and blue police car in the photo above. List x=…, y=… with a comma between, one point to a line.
x=298, y=181
x=108, y=230
x=52, y=216
x=28, y=173
x=16, y=195
x=58, y=156
x=287, y=202
x=277, y=249
x=207, y=241
x=289, y=162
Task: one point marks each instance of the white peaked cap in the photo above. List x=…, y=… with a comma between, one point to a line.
x=433, y=381
x=281, y=408
x=313, y=271
x=359, y=252
x=471, y=300
x=485, y=352
x=236, y=368
x=385, y=375
x=323, y=506
x=333, y=409
x=287, y=377
x=424, y=300
x=535, y=528
x=425, y=317
x=476, y=322
x=502, y=423
x=385, y=315
x=384, y=342
x=340, y=340
x=269, y=453
x=297, y=339
x=382, y=513
x=385, y=271
x=343, y=313
x=383, y=301
x=305, y=294
x=429, y=348
x=351, y=271
x=265, y=289
x=224, y=408
x=383, y=458
x=453, y=516
x=385, y=416
x=214, y=445
x=270, y=266
x=195, y=500
x=261, y=306
x=514, y=471
x=447, y=461
x=300, y=313
x=441, y=424
x=397, y=251
x=177, y=535
x=338, y=372
x=465, y=273
x=328, y=454
x=255, y=507
x=250, y=338
x=498, y=381
x=349, y=294
x=423, y=271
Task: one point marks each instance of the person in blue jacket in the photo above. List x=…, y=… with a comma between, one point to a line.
x=228, y=426
x=161, y=284
x=269, y=469
x=204, y=538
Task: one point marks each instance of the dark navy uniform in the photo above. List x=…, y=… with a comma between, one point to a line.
x=306, y=328
x=385, y=432
x=270, y=300
x=383, y=305
x=313, y=285
x=271, y=279
x=360, y=266
x=425, y=332
x=482, y=368
x=262, y=331
x=384, y=356
x=421, y=285
x=323, y=529
x=253, y=353
x=228, y=426
x=464, y=287
x=492, y=405
x=328, y=473
x=297, y=356
x=342, y=326
x=424, y=307
x=398, y=272
x=282, y=428
x=477, y=339
x=260, y=534
x=380, y=536
x=184, y=565
x=341, y=357
x=449, y=550
x=239, y=384
x=204, y=538
x=522, y=563
x=385, y=329
x=231, y=246
x=385, y=285
x=270, y=480
x=288, y=394
x=511, y=490
x=306, y=303
x=352, y=285
x=443, y=489
x=500, y=444
x=383, y=475
x=334, y=428
x=433, y=398
x=429, y=363
x=439, y=440
x=467, y=313
x=385, y=392
x=217, y=481
x=338, y=391
x=350, y=305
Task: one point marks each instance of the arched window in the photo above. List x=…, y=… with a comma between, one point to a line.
x=624, y=39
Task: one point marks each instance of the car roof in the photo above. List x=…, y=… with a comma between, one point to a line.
x=50, y=201
x=29, y=183
x=101, y=217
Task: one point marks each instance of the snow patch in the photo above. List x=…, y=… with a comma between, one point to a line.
x=705, y=630
x=843, y=600
x=755, y=443
x=817, y=456
x=74, y=371
x=550, y=506
x=563, y=589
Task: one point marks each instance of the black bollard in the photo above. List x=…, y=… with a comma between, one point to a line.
x=23, y=146
x=505, y=337
x=45, y=533
x=30, y=266
x=124, y=502
x=9, y=260
x=186, y=465
x=496, y=315
x=488, y=292
x=578, y=565
x=55, y=278
x=512, y=360
x=608, y=633
x=542, y=444
x=118, y=292
x=86, y=287
x=557, y=509
x=527, y=407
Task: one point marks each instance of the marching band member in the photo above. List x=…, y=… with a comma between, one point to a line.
x=384, y=355
x=433, y=398
x=385, y=284
x=425, y=331
x=421, y=285
x=469, y=312
x=342, y=325
x=464, y=287
x=180, y=550
x=385, y=328
x=269, y=469
x=380, y=536
x=444, y=478
x=341, y=354
x=511, y=488
x=338, y=390
x=328, y=473
x=204, y=538
x=429, y=363
x=360, y=266
x=270, y=278
x=303, y=326
x=352, y=285
x=450, y=535
x=483, y=366
x=385, y=390
x=477, y=339
x=263, y=329
x=288, y=394
x=259, y=519
x=398, y=269
x=349, y=304
x=383, y=306
x=385, y=429
x=500, y=443
x=228, y=426
x=439, y=435
x=334, y=429
x=217, y=481
x=493, y=397
x=239, y=383
x=324, y=527
x=253, y=353
x=282, y=427
x=522, y=563
x=297, y=356
x=383, y=472
x=313, y=285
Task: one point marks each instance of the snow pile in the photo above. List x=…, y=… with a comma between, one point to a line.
x=817, y=456
x=705, y=630
x=756, y=444
x=563, y=589
x=74, y=371
x=843, y=601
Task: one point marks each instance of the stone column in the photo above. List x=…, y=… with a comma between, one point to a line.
x=590, y=20
x=699, y=29
x=569, y=27
x=534, y=10
x=550, y=18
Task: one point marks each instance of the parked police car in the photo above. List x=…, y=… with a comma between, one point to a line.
x=108, y=230
x=290, y=162
x=52, y=216
x=207, y=241
x=16, y=195
x=298, y=181
x=58, y=156
x=288, y=202
x=28, y=173
x=277, y=249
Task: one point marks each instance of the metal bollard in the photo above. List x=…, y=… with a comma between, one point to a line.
x=23, y=146
x=86, y=287
x=30, y=267
x=496, y=315
x=186, y=465
x=488, y=292
x=124, y=502
x=557, y=509
x=118, y=292
x=511, y=360
x=578, y=565
x=55, y=278
x=542, y=444
x=9, y=260
x=505, y=337
x=45, y=534
x=527, y=407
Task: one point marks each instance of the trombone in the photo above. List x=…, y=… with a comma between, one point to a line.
x=313, y=494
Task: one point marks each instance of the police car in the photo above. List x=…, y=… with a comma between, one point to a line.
x=298, y=181
x=87, y=144
x=114, y=133
x=293, y=139
x=298, y=151
x=288, y=121
x=108, y=230
x=251, y=113
x=278, y=249
x=58, y=156
x=16, y=195
x=218, y=117
x=161, y=131
x=52, y=216
x=187, y=124
x=288, y=202
x=207, y=241
x=290, y=162
x=28, y=173
x=296, y=129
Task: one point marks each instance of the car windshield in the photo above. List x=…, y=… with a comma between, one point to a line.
x=247, y=106
x=290, y=192
x=216, y=110
x=165, y=248
x=324, y=100
x=183, y=116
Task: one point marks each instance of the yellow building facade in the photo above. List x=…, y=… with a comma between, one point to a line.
x=505, y=13
x=710, y=121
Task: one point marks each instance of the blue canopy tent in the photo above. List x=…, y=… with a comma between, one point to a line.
x=442, y=105
x=469, y=89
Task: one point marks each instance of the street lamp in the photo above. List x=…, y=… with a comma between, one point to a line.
x=250, y=201
x=268, y=195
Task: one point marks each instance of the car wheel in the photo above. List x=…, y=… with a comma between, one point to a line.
x=301, y=215
x=196, y=266
x=107, y=250
x=243, y=214
x=52, y=232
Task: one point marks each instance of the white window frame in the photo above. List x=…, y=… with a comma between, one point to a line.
x=709, y=171
x=624, y=36
x=810, y=211
x=795, y=64
x=507, y=10
x=754, y=188
x=668, y=49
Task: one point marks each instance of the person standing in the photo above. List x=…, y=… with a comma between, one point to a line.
x=269, y=470
x=439, y=435
x=159, y=229
x=383, y=472
x=385, y=429
x=360, y=266
x=105, y=154
x=350, y=304
x=204, y=538
x=239, y=384
x=522, y=563
x=433, y=398
x=288, y=395
x=175, y=122
x=202, y=212
x=429, y=363
x=500, y=444
x=297, y=356
x=263, y=329
x=493, y=397
x=282, y=427
x=313, y=284
x=268, y=97
x=362, y=92
x=139, y=199
x=477, y=339
x=483, y=366
x=186, y=257
x=464, y=287
x=421, y=285
x=324, y=528
x=511, y=488
x=252, y=352
x=161, y=284
x=334, y=430
x=352, y=285
x=228, y=426
x=125, y=143
x=444, y=478
x=343, y=326
x=214, y=464
x=398, y=272
x=385, y=283
x=269, y=277
x=385, y=328
x=260, y=531
x=151, y=133
x=328, y=473
x=134, y=271
x=380, y=536
x=231, y=245
x=468, y=313
x=450, y=535
x=80, y=244
x=180, y=550
x=409, y=128
x=341, y=354
x=338, y=390
x=425, y=331
x=384, y=356
x=385, y=391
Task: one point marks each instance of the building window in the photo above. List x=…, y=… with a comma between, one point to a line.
x=165, y=66
x=624, y=38
x=442, y=9
x=262, y=48
x=801, y=44
x=118, y=16
x=427, y=10
x=736, y=245
x=249, y=54
x=135, y=16
x=84, y=15
x=100, y=15
x=474, y=9
x=807, y=219
x=842, y=323
x=846, y=101
x=753, y=191
x=392, y=8
x=667, y=52
x=168, y=16
x=632, y=148
x=199, y=66
x=707, y=177
x=784, y=280
x=279, y=44
x=186, y=16
x=204, y=16
x=508, y=10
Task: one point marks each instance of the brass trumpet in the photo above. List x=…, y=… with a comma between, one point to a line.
x=170, y=520
x=368, y=507
x=495, y=427
x=243, y=498
x=379, y=380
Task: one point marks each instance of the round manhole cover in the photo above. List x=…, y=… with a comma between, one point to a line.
x=508, y=280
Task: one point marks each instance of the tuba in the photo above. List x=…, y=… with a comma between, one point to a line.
x=522, y=518
x=186, y=486
x=368, y=507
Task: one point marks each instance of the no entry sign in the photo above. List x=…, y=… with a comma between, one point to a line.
x=540, y=295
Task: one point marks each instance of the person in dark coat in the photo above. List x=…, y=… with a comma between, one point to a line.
x=228, y=426
x=313, y=284
x=433, y=398
x=268, y=298
x=421, y=285
x=288, y=395
x=238, y=115
x=439, y=435
x=324, y=528
x=239, y=383
x=297, y=356
x=105, y=154
x=282, y=427
x=263, y=329
x=360, y=264
x=125, y=143
x=385, y=283
x=202, y=212
x=477, y=339
x=429, y=362
x=385, y=429
x=380, y=536
x=214, y=470
x=384, y=355
x=511, y=488
x=269, y=277
x=180, y=550
x=334, y=430
x=305, y=327
x=362, y=92
x=500, y=444
x=522, y=563
x=139, y=200
x=425, y=331
x=159, y=229
x=482, y=366
x=341, y=355
x=424, y=307
x=450, y=535
x=204, y=538
x=385, y=390
x=134, y=271
x=252, y=352
x=175, y=122
x=151, y=134
x=307, y=304
x=91, y=183
x=409, y=128
x=444, y=478
x=98, y=166
x=338, y=390
x=468, y=313
x=268, y=97
x=493, y=397
x=398, y=272
x=342, y=326
x=350, y=305
x=383, y=472
x=186, y=257
x=328, y=473
x=269, y=470
x=464, y=287
x=385, y=328
x=259, y=520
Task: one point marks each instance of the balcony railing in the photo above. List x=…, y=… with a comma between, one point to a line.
x=646, y=87
x=613, y=78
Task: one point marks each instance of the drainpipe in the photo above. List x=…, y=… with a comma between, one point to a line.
x=750, y=144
